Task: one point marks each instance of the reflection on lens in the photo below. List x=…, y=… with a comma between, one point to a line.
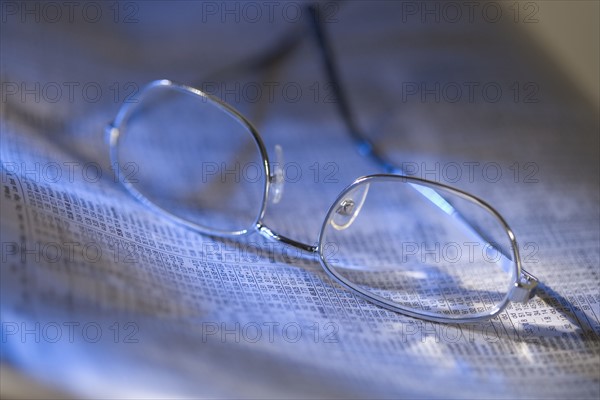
x=430, y=252
x=185, y=154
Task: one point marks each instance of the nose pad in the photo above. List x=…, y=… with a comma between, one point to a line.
x=278, y=178
x=349, y=207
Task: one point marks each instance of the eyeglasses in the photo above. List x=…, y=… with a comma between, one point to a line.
x=409, y=245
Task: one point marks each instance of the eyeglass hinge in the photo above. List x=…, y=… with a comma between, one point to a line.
x=524, y=288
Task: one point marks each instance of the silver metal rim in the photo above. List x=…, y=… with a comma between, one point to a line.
x=393, y=306
x=114, y=135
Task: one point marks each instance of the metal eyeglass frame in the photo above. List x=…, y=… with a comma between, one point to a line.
x=523, y=285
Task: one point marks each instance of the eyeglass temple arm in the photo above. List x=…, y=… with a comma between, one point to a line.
x=525, y=286
x=365, y=147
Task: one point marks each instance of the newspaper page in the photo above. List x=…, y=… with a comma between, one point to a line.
x=105, y=297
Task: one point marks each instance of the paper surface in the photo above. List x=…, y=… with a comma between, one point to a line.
x=103, y=297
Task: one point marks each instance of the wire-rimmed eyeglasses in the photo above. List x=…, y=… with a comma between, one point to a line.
x=410, y=245
x=443, y=255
